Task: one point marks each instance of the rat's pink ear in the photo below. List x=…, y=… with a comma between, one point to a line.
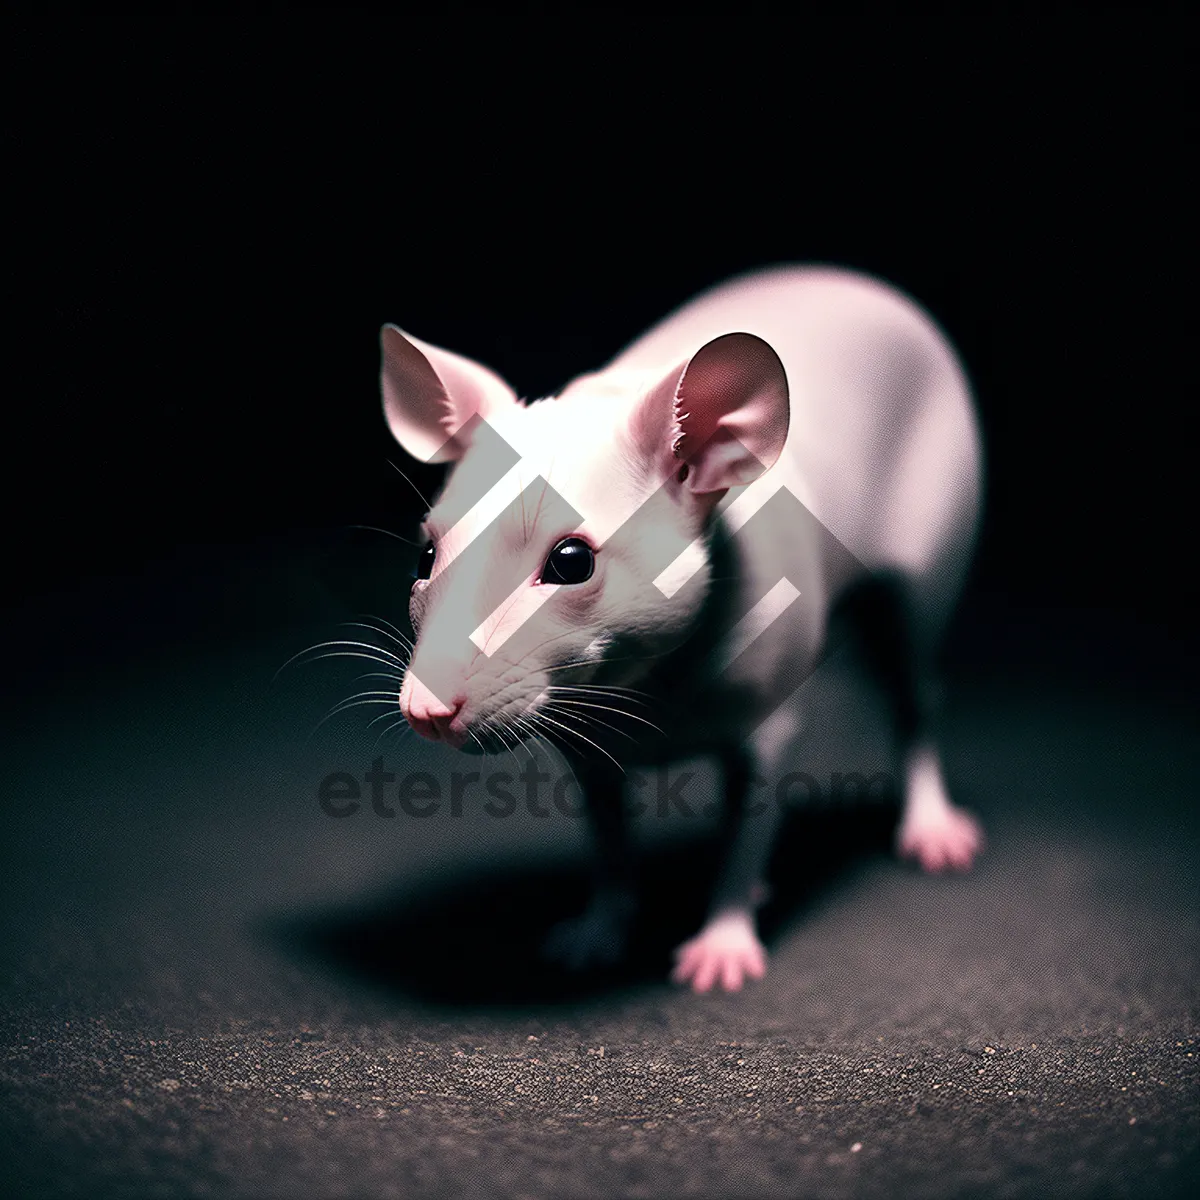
x=429, y=394
x=724, y=414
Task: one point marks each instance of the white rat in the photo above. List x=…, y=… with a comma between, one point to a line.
x=643, y=568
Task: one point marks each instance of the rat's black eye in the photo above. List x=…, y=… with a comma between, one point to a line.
x=571, y=561
x=425, y=562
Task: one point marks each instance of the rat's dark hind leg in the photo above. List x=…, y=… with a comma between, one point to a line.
x=727, y=950
x=598, y=936
x=932, y=830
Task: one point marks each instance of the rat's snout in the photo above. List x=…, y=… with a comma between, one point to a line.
x=430, y=716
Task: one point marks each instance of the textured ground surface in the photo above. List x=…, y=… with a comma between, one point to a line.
x=211, y=988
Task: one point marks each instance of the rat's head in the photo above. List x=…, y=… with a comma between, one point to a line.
x=566, y=552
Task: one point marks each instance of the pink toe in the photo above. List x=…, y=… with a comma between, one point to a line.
x=685, y=968
x=731, y=975
x=705, y=975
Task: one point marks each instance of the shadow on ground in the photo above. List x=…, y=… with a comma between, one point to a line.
x=473, y=940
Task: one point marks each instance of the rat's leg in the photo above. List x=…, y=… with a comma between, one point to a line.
x=597, y=937
x=935, y=832
x=728, y=950
x=932, y=830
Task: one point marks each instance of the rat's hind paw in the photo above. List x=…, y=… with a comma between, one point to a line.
x=725, y=951
x=597, y=938
x=940, y=839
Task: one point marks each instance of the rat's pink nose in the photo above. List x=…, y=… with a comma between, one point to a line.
x=430, y=717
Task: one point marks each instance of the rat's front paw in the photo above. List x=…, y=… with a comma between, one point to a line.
x=726, y=950
x=941, y=838
x=597, y=938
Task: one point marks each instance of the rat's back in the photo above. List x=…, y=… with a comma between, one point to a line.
x=883, y=445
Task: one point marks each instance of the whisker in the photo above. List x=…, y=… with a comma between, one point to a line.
x=545, y=735
x=584, y=662
x=545, y=487
x=602, y=691
x=608, y=708
x=396, y=660
x=400, y=723
x=524, y=523
x=376, y=529
x=383, y=717
x=372, y=692
x=541, y=739
x=550, y=737
x=585, y=720
x=399, y=633
x=345, y=706
x=510, y=726
x=405, y=646
x=542, y=716
x=608, y=687
x=383, y=662
x=494, y=729
x=472, y=736
x=360, y=645
x=410, y=483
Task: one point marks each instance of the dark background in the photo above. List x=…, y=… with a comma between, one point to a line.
x=217, y=211
x=208, y=986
